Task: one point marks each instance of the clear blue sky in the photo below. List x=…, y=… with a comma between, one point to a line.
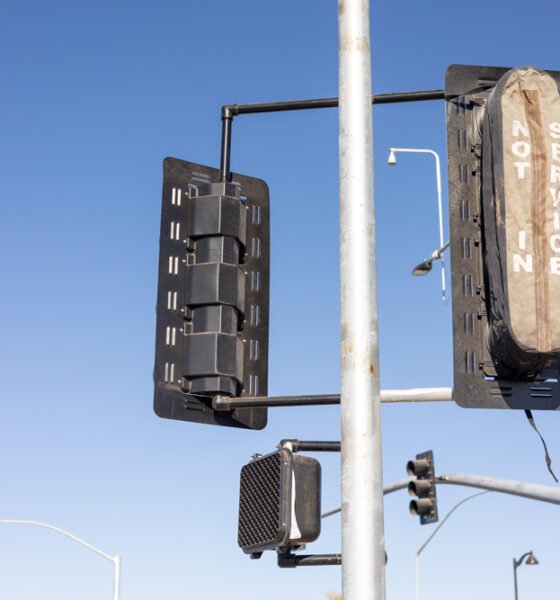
x=94, y=96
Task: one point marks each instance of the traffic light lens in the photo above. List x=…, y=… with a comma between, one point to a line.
x=420, y=488
x=421, y=507
x=417, y=468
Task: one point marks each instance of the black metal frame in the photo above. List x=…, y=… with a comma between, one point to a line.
x=226, y=403
x=286, y=557
x=172, y=402
x=229, y=111
x=466, y=88
x=239, y=405
x=299, y=446
x=289, y=560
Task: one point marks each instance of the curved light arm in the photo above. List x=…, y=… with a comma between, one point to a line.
x=438, y=182
x=116, y=560
x=518, y=562
x=439, y=197
x=420, y=550
x=59, y=530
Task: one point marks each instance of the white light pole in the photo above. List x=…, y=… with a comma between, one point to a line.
x=116, y=560
x=420, y=550
x=426, y=266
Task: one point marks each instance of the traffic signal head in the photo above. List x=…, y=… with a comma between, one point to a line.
x=424, y=487
x=503, y=137
x=212, y=301
x=279, y=502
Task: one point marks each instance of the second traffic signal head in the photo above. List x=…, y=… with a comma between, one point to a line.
x=279, y=502
x=423, y=487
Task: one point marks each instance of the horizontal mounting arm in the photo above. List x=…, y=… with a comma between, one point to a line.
x=289, y=560
x=229, y=111
x=442, y=394
x=232, y=110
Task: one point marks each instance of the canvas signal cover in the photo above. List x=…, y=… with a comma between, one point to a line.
x=520, y=179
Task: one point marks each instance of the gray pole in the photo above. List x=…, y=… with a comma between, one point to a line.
x=363, y=552
x=515, y=578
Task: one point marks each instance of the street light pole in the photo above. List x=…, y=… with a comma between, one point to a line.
x=363, y=542
x=515, y=565
x=531, y=560
x=423, y=546
x=116, y=560
x=442, y=246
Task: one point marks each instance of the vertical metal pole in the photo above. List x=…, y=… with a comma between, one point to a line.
x=417, y=576
x=515, y=578
x=440, y=223
x=363, y=553
x=225, y=157
x=117, y=581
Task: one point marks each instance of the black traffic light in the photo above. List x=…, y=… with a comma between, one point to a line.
x=279, y=502
x=424, y=487
x=503, y=138
x=213, y=295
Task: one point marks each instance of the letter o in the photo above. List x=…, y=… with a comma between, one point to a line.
x=521, y=149
x=555, y=242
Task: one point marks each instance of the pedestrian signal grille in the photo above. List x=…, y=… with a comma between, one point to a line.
x=260, y=502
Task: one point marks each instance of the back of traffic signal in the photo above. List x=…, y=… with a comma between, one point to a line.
x=423, y=487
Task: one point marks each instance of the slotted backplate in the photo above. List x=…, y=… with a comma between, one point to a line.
x=182, y=181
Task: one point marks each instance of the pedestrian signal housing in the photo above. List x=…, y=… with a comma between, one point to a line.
x=279, y=502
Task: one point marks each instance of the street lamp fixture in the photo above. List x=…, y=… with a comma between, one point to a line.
x=426, y=266
x=530, y=559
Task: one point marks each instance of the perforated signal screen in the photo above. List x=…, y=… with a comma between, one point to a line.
x=261, y=506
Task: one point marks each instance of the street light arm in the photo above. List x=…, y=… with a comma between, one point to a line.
x=420, y=550
x=438, y=254
x=518, y=562
x=116, y=560
x=59, y=530
x=416, y=150
x=439, y=200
